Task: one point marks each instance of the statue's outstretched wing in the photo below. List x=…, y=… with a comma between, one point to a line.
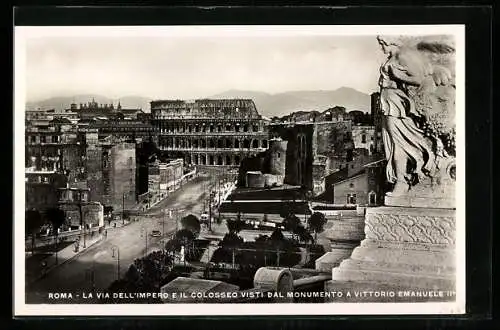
x=440, y=56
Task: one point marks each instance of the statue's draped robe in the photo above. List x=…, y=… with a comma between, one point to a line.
x=403, y=140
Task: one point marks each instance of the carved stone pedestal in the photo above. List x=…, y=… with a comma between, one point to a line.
x=405, y=248
x=345, y=234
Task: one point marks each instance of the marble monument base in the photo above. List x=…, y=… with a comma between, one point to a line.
x=405, y=248
x=345, y=235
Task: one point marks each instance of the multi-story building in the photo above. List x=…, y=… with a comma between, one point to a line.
x=209, y=132
x=80, y=212
x=111, y=172
x=42, y=189
x=364, y=188
x=93, y=109
x=54, y=145
x=132, y=129
x=364, y=138
x=164, y=177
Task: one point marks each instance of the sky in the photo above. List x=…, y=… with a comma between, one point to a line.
x=197, y=66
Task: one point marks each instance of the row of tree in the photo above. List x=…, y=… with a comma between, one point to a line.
x=150, y=273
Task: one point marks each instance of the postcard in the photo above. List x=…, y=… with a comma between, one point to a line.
x=273, y=170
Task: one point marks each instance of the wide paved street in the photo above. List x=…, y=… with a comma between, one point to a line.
x=75, y=276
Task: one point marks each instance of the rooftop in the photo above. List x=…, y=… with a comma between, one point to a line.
x=264, y=207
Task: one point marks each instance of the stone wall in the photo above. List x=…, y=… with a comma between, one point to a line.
x=122, y=175
x=94, y=172
x=332, y=137
x=299, y=153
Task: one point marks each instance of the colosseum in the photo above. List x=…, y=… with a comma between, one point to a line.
x=209, y=132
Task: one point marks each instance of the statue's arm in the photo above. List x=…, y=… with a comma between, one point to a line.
x=405, y=74
x=407, y=68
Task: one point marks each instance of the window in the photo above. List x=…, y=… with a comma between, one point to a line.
x=372, y=198
x=351, y=198
x=279, y=155
x=363, y=138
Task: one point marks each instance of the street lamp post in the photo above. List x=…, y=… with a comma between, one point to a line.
x=82, y=219
x=145, y=234
x=123, y=208
x=117, y=250
x=163, y=225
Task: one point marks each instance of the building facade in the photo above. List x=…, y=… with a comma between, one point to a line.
x=93, y=109
x=131, y=129
x=367, y=188
x=55, y=145
x=164, y=177
x=299, y=157
x=111, y=172
x=80, y=212
x=209, y=132
x=42, y=189
x=364, y=138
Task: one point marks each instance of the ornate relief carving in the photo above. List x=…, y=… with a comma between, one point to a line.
x=410, y=228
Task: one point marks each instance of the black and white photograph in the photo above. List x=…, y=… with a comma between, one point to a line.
x=246, y=169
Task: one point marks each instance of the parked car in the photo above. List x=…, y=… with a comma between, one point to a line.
x=156, y=233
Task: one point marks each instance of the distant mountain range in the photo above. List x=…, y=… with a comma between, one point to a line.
x=268, y=105
x=281, y=104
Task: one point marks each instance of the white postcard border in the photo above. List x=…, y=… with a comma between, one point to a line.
x=23, y=309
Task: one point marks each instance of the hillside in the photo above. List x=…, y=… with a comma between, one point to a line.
x=269, y=105
x=281, y=104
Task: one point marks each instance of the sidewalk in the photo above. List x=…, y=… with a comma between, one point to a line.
x=38, y=265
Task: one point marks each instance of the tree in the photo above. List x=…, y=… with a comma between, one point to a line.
x=57, y=217
x=185, y=238
x=173, y=245
x=303, y=234
x=317, y=223
x=234, y=226
x=126, y=214
x=231, y=239
x=291, y=223
x=108, y=211
x=191, y=223
x=33, y=221
x=277, y=235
